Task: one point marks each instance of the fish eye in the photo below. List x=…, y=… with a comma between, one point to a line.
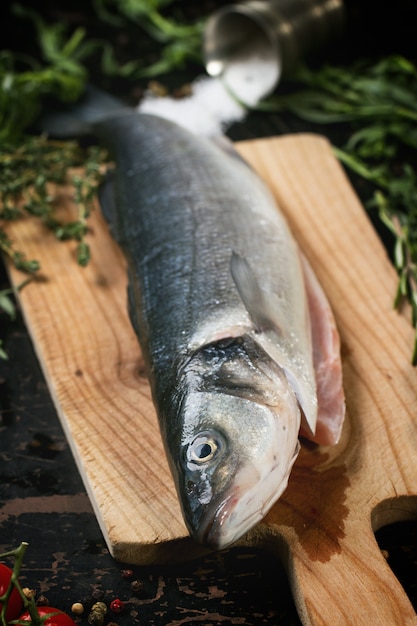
x=203, y=448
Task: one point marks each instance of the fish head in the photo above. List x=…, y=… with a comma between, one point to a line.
x=235, y=457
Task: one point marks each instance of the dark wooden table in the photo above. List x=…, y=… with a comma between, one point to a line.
x=43, y=500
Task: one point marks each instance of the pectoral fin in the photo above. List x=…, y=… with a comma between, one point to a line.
x=265, y=318
x=327, y=364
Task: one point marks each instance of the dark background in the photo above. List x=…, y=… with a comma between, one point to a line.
x=42, y=498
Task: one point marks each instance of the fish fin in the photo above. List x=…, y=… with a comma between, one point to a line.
x=327, y=364
x=77, y=120
x=265, y=317
x=307, y=406
x=251, y=294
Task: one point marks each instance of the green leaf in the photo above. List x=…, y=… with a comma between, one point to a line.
x=6, y=303
x=399, y=253
x=3, y=353
x=83, y=254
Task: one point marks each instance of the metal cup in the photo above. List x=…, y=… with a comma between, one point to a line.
x=276, y=33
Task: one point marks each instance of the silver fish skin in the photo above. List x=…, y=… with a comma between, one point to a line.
x=217, y=299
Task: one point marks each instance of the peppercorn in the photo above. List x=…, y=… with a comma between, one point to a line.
x=117, y=606
x=77, y=608
x=136, y=586
x=97, y=613
x=95, y=619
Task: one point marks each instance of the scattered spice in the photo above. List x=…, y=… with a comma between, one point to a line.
x=77, y=608
x=136, y=586
x=99, y=607
x=95, y=619
x=117, y=606
x=97, y=614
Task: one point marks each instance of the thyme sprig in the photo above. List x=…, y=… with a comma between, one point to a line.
x=31, y=165
x=30, y=180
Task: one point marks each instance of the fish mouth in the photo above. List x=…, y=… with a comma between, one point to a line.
x=245, y=503
x=219, y=536
x=233, y=517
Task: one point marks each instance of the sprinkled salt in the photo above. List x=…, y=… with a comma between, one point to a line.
x=208, y=111
x=217, y=102
x=251, y=78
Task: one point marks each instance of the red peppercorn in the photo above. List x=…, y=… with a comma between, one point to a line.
x=127, y=573
x=117, y=606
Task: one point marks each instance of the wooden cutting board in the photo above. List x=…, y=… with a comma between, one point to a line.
x=323, y=525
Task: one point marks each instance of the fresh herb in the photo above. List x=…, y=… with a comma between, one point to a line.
x=7, y=305
x=30, y=180
x=25, y=80
x=380, y=102
x=30, y=163
x=32, y=166
x=178, y=42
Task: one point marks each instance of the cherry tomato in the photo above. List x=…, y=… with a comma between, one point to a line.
x=59, y=619
x=15, y=602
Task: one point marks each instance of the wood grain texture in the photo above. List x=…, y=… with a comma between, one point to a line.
x=323, y=525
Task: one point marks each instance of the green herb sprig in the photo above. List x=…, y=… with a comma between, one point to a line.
x=28, y=176
x=179, y=42
x=7, y=305
x=30, y=163
x=31, y=176
x=24, y=81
